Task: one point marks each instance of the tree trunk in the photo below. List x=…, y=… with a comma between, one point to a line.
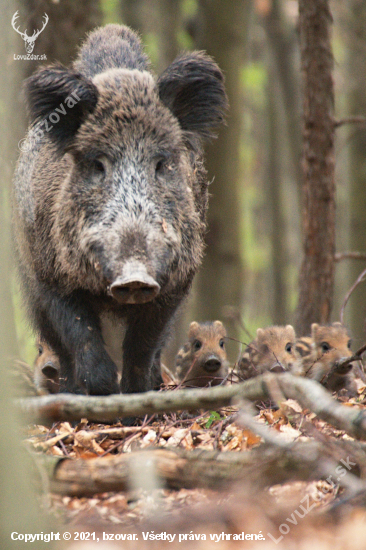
x=263, y=466
x=317, y=270
x=158, y=23
x=282, y=40
x=68, y=24
x=357, y=106
x=223, y=30
x=284, y=172
x=277, y=234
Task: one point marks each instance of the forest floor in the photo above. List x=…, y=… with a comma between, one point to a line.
x=292, y=514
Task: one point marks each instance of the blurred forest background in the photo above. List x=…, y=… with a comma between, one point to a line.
x=250, y=275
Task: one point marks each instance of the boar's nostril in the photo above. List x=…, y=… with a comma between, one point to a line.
x=50, y=371
x=212, y=364
x=139, y=290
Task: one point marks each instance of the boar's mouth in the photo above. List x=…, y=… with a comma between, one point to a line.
x=277, y=367
x=134, y=286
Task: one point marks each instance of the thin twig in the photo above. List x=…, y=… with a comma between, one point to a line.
x=343, y=366
x=360, y=279
x=350, y=120
x=339, y=256
x=233, y=314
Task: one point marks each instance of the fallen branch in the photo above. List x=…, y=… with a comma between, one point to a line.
x=327, y=463
x=177, y=468
x=308, y=393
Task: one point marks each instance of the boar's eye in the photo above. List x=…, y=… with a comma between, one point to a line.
x=197, y=344
x=288, y=347
x=161, y=162
x=159, y=166
x=222, y=343
x=325, y=347
x=98, y=167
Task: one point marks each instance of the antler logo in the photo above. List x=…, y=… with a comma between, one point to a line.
x=29, y=40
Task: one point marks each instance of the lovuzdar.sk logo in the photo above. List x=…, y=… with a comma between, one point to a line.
x=29, y=41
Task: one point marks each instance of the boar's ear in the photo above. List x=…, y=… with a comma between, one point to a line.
x=290, y=330
x=193, y=329
x=192, y=87
x=63, y=98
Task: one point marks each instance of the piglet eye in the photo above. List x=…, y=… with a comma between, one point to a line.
x=325, y=347
x=288, y=347
x=40, y=349
x=222, y=343
x=349, y=344
x=197, y=344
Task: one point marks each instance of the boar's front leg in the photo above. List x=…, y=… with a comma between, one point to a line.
x=144, y=339
x=72, y=328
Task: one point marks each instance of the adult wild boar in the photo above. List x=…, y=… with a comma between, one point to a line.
x=110, y=203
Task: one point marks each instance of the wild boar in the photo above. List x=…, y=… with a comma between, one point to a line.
x=46, y=370
x=202, y=361
x=273, y=350
x=110, y=204
x=320, y=354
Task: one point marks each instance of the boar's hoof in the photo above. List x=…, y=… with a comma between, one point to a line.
x=212, y=364
x=135, y=290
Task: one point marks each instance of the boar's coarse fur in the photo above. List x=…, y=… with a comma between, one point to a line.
x=110, y=203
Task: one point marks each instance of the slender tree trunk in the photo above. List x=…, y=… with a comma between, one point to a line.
x=357, y=106
x=282, y=39
x=161, y=20
x=317, y=271
x=223, y=27
x=284, y=155
x=277, y=235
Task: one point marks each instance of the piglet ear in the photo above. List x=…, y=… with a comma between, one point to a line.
x=193, y=328
x=62, y=98
x=192, y=87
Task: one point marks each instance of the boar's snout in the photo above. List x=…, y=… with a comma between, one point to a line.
x=134, y=286
x=50, y=370
x=212, y=364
